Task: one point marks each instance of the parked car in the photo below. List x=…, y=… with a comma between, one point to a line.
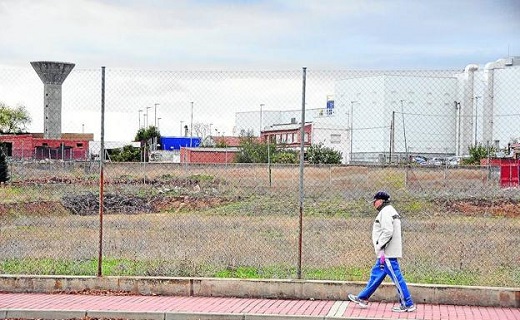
x=418, y=159
x=456, y=160
x=435, y=161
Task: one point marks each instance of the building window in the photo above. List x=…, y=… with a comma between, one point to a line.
x=79, y=145
x=335, y=138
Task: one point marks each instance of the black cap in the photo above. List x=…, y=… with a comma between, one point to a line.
x=382, y=195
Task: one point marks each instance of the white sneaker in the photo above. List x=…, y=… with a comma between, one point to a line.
x=411, y=308
x=362, y=303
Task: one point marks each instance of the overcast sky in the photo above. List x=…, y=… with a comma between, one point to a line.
x=231, y=35
x=259, y=35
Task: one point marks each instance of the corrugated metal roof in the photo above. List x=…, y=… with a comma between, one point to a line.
x=289, y=126
x=230, y=149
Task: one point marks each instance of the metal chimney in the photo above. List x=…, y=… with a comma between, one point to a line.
x=52, y=75
x=468, y=104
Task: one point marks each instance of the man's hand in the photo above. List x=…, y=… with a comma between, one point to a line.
x=381, y=256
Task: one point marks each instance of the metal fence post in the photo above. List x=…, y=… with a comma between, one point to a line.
x=101, y=177
x=302, y=140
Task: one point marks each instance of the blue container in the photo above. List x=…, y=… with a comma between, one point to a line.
x=175, y=143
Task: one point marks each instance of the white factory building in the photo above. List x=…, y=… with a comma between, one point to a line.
x=387, y=114
x=427, y=114
x=390, y=115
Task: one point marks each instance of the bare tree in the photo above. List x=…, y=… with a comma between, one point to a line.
x=201, y=129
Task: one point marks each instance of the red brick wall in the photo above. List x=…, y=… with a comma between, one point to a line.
x=202, y=156
x=23, y=146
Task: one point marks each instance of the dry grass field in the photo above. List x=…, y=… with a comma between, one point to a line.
x=236, y=220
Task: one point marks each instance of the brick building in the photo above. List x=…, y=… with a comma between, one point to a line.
x=71, y=146
x=287, y=134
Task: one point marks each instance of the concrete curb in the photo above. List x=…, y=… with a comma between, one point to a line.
x=259, y=288
x=204, y=316
x=126, y=315
x=44, y=314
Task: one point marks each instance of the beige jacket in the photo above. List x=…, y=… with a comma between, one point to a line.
x=386, y=232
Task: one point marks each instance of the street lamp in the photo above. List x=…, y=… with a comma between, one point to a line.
x=458, y=111
x=158, y=119
x=261, y=116
x=210, y=129
x=351, y=126
x=147, y=119
x=476, y=118
x=155, y=113
x=181, y=128
x=404, y=130
x=140, y=118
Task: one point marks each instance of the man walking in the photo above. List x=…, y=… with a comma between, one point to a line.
x=386, y=238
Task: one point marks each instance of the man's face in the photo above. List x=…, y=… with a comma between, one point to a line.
x=377, y=203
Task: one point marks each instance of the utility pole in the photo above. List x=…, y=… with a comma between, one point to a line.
x=392, y=135
x=191, y=126
x=459, y=115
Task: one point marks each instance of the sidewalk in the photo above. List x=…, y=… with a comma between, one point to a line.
x=67, y=306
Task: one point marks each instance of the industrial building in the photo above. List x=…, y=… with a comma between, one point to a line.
x=283, y=127
x=391, y=116
x=382, y=117
x=71, y=146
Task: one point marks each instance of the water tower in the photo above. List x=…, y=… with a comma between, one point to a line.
x=52, y=74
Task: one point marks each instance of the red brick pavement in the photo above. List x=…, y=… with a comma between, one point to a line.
x=215, y=305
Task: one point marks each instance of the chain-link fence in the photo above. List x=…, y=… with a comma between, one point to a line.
x=202, y=173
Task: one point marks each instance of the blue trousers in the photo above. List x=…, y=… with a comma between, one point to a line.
x=379, y=272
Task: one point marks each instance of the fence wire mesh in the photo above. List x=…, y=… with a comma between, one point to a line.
x=201, y=173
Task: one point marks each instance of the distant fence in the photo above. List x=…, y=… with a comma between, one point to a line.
x=175, y=217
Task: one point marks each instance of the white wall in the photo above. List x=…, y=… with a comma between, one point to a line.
x=429, y=113
x=334, y=137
